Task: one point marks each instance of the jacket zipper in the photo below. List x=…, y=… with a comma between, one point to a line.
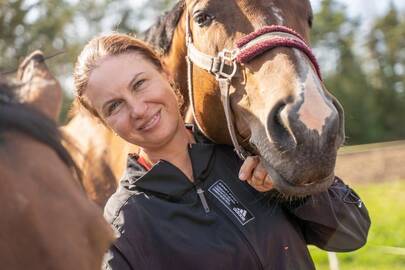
x=204, y=202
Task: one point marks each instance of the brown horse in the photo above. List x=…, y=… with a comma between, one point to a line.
x=47, y=220
x=250, y=59
x=98, y=153
x=279, y=104
x=102, y=156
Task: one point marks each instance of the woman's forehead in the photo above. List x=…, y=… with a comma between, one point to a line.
x=117, y=69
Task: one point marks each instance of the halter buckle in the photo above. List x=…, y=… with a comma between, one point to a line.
x=227, y=58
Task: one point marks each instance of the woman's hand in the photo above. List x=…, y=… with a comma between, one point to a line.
x=254, y=173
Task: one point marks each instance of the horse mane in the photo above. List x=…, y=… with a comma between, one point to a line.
x=160, y=34
x=20, y=117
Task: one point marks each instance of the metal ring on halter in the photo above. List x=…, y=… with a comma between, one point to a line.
x=227, y=57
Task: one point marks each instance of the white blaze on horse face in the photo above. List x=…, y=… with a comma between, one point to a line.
x=278, y=13
x=314, y=110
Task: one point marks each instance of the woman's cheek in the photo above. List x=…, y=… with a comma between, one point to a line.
x=116, y=124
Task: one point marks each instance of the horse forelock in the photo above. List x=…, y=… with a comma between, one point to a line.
x=160, y=35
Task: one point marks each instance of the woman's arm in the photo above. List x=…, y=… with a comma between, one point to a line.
x=334, y=220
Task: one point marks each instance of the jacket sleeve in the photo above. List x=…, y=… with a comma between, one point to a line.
x=334, y=220
x=115, y=260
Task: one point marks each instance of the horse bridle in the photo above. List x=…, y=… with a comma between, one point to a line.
x=225, y=65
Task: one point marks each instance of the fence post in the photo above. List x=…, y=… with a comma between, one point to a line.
x=333, y=261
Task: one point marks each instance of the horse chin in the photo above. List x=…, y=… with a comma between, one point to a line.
x=295, y=173
x=288, y=191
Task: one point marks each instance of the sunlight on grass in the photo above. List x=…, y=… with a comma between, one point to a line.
x=386, y=205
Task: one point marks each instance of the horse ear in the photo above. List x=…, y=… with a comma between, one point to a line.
x=39, y=87
x=160, y=35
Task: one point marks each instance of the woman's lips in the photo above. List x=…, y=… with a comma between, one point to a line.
x=152, y=122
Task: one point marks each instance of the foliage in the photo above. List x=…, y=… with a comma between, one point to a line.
x=51, y=26
x=386, y=43
x=386, y=205
x=367, y=79
x=139, y=18
x=63, y=26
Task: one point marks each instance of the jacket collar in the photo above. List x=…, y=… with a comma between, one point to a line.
x=166, y=179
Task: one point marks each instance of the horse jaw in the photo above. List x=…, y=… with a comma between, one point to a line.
x=39, y=86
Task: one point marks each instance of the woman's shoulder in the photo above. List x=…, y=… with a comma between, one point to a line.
x=118, y=204
x=126, y=193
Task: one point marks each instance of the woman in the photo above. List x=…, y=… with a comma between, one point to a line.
x=180, y=204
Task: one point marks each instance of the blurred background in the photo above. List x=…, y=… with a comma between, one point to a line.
x=361, y=49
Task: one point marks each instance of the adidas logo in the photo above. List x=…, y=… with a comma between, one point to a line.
x=240, y=212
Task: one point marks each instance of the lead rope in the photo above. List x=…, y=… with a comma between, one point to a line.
x=224, y=86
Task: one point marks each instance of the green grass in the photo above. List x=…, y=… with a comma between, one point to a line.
x=386, y=205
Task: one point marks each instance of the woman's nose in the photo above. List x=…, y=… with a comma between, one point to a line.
x=137, y=108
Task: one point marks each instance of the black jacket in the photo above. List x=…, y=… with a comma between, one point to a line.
x=161, y=222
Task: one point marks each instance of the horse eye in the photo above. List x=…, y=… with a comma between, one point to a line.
x=203, y=19
x=310, y=20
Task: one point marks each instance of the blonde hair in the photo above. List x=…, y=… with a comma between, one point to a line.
x=110, y=45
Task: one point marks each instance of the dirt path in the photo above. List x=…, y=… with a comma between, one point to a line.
x=372, y=163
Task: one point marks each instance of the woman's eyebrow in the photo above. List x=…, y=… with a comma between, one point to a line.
x=134, y=79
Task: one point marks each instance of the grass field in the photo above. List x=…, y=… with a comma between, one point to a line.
x=386, y=205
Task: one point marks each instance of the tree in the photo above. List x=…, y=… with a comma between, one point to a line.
x=386, y=61
x=334, y=38
x=65, y=26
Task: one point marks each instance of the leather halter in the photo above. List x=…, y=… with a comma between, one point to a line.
x=225, y=65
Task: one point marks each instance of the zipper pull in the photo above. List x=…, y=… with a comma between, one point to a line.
x=203, y=200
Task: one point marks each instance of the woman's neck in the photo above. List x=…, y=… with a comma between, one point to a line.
x=175, y=152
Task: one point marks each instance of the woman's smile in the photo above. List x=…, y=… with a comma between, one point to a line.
x=152, y=122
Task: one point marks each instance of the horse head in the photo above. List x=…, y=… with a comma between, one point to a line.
x=39, y=86
x=279, y=107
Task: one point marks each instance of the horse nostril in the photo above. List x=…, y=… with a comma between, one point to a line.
x=278, y=129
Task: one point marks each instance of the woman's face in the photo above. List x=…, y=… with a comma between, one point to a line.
x=134, y=99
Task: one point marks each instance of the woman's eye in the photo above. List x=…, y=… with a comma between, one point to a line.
x=203, y=19
x=138, y=84
x=112, y=107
